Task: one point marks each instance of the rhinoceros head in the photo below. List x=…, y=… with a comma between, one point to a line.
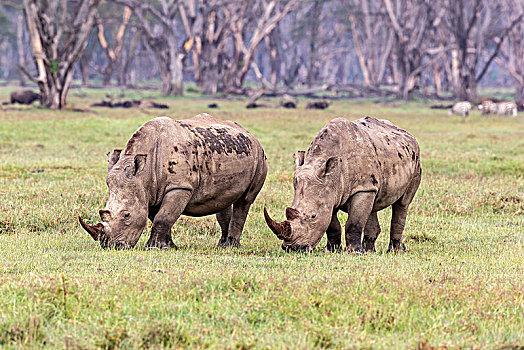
x=310, y=214
x=125, y=214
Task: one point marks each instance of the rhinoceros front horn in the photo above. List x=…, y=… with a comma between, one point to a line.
x=281, y=229
x=96, y=231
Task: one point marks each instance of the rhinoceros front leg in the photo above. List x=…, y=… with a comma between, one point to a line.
x=224, y=218
x=236, y=224
x=360, y=207
x=334, y=234
x=371, y=232
x=172, y=206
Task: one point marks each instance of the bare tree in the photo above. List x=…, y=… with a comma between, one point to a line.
x=113, y=53
x=475, y=27
x=266, y=23
x=20, y=45
x=129, y=56
x=413, y=23
x=58, y=31
x=372, y=40
x=163, y=36
x=512, y=51
x=224, y=36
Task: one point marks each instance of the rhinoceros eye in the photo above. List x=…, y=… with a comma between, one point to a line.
x=126, y=214
x=314, y=215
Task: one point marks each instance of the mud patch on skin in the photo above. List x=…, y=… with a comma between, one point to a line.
x=374, y=179
x=171, y=168
x=220, y=141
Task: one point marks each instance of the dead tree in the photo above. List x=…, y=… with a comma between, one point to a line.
x=413, y=23
x=206, y=23
x=224, y=36
x=58, y=30
x=475, y=27
x=512, y=51
x=265, y=25
x=372, y=40
x=113, y=53
x=160, y=25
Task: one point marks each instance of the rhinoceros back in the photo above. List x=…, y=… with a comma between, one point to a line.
x=218, y=161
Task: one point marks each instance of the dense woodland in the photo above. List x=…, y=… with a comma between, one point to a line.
x=402, y=48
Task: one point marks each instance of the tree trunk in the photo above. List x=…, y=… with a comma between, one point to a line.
x=209, y=75
x=176, y=67
x=437, y=78
x=20, y=46
x=467, y=87
x=519, y=94
x=122, y=80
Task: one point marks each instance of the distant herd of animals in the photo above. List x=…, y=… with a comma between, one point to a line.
x=203, y=166
x=485, y=106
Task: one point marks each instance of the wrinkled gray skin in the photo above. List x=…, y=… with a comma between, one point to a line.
x=358, y=167
x=195, y=167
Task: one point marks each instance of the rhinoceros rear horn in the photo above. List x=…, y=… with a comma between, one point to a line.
x=96, y=231
x=281, y=229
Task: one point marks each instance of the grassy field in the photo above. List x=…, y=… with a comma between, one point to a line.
x=460, y=285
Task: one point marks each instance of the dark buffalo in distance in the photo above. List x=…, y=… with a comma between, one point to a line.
x=25, y=97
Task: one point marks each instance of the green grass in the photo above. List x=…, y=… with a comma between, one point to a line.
x=460, y=285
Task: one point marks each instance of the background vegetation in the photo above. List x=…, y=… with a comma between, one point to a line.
x=460, y=284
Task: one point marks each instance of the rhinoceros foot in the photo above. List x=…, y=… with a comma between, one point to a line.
x=396, y=246
x=160, y=245
x=369, y=244
x=229, y=242
x=334, y=248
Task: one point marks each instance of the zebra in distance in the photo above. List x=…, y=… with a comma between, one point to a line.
x=460, y=108
x=488, y=107
x=501, y=108
x=507, y=108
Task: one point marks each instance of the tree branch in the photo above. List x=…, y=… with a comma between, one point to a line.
x=499, y=44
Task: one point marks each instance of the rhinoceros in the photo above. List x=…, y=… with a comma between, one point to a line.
x=196, y=167
x=359, y=167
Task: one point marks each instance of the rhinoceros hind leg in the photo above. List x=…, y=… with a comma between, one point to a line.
x=360, y=207
x=172, y=206
x=224, y=218
x=229, y=242
x=236, y=224
x=334, y=234
x=371, y=232
x=399, y=214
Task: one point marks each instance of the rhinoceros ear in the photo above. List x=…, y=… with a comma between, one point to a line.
x=113, y=157
x=105, y=215
x=140, y=162
x=299, y=158
x=330, y=167
x=137, y=166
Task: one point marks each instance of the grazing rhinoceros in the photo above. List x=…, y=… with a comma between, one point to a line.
x=195, y=167
x=358, y=167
